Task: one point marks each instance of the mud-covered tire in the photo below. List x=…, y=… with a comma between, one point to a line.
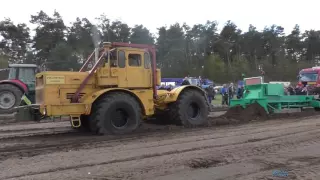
x=190, y=109
x=115, y=113
x=85, y=126
x=14, y=92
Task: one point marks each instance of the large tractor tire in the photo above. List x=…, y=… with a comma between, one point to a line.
x=190, y=109
x=10, y=97
x=115, y=113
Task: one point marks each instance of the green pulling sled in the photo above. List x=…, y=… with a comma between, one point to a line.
x=272, y=97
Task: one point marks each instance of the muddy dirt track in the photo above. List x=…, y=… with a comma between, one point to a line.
x=236, y=151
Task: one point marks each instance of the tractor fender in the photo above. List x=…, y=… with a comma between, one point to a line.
x=23, y=87
x=175, y=93
x=89, y=100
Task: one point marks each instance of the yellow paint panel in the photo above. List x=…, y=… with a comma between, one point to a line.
x=55, y=80
x=311, y=82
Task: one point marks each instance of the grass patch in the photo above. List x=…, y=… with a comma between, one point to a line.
x=217, y=100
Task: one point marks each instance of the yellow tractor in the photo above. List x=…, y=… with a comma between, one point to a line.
x=118, y=92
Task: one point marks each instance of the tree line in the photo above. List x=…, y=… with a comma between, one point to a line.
x=181, y=49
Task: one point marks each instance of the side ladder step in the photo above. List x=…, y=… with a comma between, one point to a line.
x=75, y=121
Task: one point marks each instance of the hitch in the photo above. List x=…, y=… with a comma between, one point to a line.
x=27, y=113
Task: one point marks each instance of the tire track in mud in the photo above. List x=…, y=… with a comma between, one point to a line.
x=68, y=132
x=20, y=130
x=26, y=130
x=215, y=157
x=212, y=118
x=306, y=166
x=273, y=143
x=216, y=121
x=75, y=140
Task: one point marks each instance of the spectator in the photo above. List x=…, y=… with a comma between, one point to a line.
x=185, y=81
x=170, y=87
x=213, y=92
x=162, y=87
x=240, y=91
x=290, y=90
x=200, y=81
x=231, y=91
x=224, y=93
x=210, y=93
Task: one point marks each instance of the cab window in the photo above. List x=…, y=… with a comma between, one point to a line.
x=27, y=74
x=113, y=59
x=147, y=62
x=122, y=59
x=134, y=60
x=13, y=73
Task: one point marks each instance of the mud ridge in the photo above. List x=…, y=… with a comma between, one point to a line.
x=205, y=163
x=41, y=135
x=28, y=130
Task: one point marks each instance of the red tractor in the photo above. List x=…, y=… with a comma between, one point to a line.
x=20, y=85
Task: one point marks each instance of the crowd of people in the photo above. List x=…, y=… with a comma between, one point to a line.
x=228, y=91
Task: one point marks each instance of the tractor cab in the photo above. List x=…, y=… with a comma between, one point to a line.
x=23, y=72
x=125, y=67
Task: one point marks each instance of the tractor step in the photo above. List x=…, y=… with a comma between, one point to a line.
x=75, y=121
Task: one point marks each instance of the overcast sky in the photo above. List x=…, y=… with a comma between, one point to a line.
x=153, y=14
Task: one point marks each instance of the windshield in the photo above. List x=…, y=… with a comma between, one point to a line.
x=308, y=77
x=27, y=74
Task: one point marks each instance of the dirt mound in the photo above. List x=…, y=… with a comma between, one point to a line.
x=252, y=112
x=255, y=112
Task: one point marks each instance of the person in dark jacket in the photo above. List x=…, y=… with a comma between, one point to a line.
x=185, y=81
x=240, y=89
x=210, y=93
x=225, y=96
x=291, y=90
x=231, y=92
x=240, y=92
